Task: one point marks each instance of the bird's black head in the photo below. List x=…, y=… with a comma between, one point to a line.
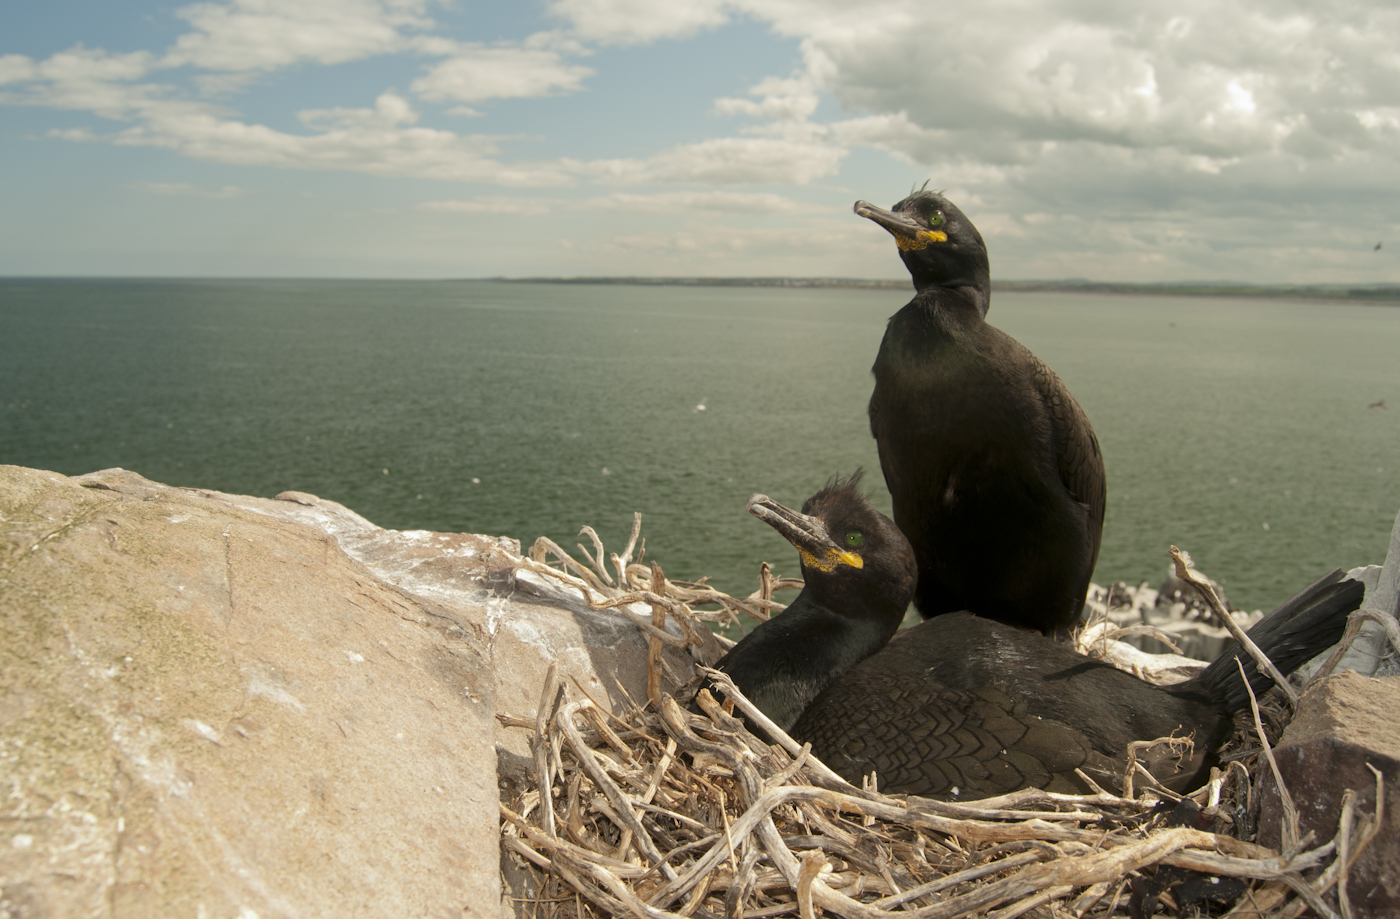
x=939, y=245
x=855, y=561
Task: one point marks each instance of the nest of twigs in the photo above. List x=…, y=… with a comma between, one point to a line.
x=662, y=812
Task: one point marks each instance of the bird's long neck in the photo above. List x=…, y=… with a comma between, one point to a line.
x=960, y=280
x=962, y=301
x=919, y=334
x=787, y=661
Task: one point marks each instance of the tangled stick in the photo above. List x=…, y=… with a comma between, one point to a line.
x=666, y=812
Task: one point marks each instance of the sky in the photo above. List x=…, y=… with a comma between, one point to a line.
x=1254, y=141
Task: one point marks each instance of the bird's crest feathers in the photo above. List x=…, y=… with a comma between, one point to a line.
x=838, y=492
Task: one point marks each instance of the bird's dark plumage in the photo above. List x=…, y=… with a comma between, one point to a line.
x=963, y=707
x=995, y=472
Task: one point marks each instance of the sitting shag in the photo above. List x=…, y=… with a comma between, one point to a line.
x=963, y=707
x=994, y=470
x=859, y=574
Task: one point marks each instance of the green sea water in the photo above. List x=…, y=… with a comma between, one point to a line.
x=1237, y=429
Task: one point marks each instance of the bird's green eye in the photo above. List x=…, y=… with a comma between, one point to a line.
x=936, y=220
x=854, y=539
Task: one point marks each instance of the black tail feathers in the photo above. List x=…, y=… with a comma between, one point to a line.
x=1308, y=623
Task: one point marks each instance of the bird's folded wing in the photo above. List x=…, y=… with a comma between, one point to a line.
x=1077, y=449
x=924, y=738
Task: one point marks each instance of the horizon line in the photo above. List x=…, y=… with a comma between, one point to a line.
x=1365, y=291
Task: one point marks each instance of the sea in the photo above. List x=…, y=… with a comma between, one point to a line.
x=1262, y=436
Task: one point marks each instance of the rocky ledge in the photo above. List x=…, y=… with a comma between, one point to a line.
x=226, y=706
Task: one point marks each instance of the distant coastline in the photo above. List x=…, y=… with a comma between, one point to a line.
x=1371, y=293
x=1383, y=294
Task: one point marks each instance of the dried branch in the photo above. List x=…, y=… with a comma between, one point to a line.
x=1358, y=619
x=1290, y=813
x=1182, y=561
x=660, y=812
x=620, y=562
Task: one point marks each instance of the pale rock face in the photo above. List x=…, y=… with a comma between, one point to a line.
x=217, y=705
x=1343, y=735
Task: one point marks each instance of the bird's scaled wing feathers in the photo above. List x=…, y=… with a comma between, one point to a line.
x=924, y=738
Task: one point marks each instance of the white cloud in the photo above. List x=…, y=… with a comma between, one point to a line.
x=1375, y=119
x=897, y=134
x=1200, y=77
x=76, y=135
x=640, y=21
x=678, y=204
x=267, y=34
x=684, y=203
x=724, y=161
x=91, y=80
x=213, y=85
x=1241, y=99
x=389, y=111
x=82, y=79
x=1090, y=210
x=829, y=248
x=385, y=139
x=382, y=140
x=493, y=205
x=79, y=65
x=184, y=189
x=16, y=68
x=377, y=141
x=779, y=99
x=478, y=73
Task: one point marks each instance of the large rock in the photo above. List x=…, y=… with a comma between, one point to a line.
x=1344, y=723
x=216, y=705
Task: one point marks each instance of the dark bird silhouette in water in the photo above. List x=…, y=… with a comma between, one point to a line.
x=964, y=707
x=995, y=472
x=1378, y=248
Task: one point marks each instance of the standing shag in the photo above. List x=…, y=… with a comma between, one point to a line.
x=996, y=475
x=963, y=707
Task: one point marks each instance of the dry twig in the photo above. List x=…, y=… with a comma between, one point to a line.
x=1184, y=571
x=663, y=812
